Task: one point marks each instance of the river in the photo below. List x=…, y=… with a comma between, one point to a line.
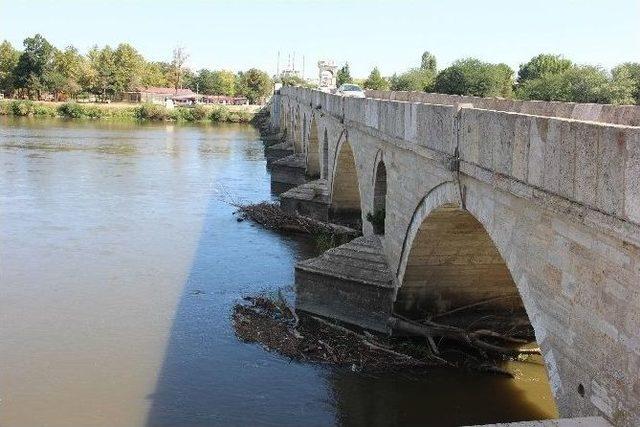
x=120, y=261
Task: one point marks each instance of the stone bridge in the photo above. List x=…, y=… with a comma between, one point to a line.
x=532, y=205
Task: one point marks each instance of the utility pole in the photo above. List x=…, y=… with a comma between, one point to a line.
x=302, y=67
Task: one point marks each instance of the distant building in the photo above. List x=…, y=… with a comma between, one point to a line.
x=178, y=97
x=224, y=100
x=154, y=94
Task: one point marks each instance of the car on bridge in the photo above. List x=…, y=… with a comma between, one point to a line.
x=351, y=90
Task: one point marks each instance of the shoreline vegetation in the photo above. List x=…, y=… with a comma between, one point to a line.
x=133, y=112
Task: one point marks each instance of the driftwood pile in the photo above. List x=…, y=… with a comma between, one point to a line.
x=274, y=324
x=271, y=216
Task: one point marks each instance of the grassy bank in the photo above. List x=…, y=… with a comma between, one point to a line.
x=151, y=112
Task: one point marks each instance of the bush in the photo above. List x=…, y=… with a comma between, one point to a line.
x=95, y=112
x=377, y=221
x=72, y=110
x=199, y=112
x=416, y=79
x=22, y=108
x=44, y=110
x=246, y=116
x=4, y=108
x=471, y=76
x=150, y=111
x=234, y=117
x=578, y=84
x=219, y=114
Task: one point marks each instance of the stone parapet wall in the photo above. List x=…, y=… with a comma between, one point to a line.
x=590, y=163
x=604, y=113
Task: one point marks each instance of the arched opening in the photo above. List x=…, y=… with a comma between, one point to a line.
x=454, y=267
x=304, y=135
x=297, y=135
x=325, y=155
x=345, y=195
x=291, y=122
x=313, y=152
x=283, y=119
x=378, y=213
x=453, y=274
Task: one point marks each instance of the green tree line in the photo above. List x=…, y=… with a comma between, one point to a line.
x=545, y=77
x=41, y=68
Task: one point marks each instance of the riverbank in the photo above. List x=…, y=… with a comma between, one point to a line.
x=121, y=111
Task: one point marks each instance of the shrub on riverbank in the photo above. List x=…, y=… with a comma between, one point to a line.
x=151, y=112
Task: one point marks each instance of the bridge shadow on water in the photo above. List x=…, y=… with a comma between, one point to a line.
x=210, y=378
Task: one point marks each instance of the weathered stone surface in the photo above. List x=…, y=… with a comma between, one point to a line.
x=351, y=283
x=310, y=199
x=289, y=170
x=555, y=187
x=566, y=422
x=277, y=152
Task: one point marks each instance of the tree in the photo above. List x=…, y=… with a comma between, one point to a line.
x=218, y=82
x=69, y=71
x=8, y=61
x=579, y=84
x=34, y=65
x=375, y=81
x=256, y=85
x=416, y=79
x=102, y=62
x=344, y=75
x=428, y=62
x=541, y=65
x=180, y=57
x=296, y=81
x=629, y=70
x=128, y=68
x=471, y=76
x=155, y=74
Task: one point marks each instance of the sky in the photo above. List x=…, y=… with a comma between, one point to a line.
x=240, y=34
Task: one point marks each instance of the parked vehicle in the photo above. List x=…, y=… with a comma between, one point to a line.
x=351, y=90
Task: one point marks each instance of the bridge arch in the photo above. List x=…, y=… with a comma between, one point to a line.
x=291, y=122
x=451, y=257
x=298, y=134
x=283, y=119
x=379, y=207
x=325, y=155
x=345, y=186
x=313, y=150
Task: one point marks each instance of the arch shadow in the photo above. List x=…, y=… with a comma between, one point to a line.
x=313, y=151
x=345, y=207
x=451, y=262
x=378, y=212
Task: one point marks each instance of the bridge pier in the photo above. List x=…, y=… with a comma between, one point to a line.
x=277, y=152
x=352, y=283
x=288, y=172
x=310, y=199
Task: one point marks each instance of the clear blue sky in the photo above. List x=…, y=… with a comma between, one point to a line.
x=390, y=34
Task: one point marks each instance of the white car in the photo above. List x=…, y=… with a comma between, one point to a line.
x=351, y=90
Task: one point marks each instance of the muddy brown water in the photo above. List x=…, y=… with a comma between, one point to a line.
x=120, y=261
